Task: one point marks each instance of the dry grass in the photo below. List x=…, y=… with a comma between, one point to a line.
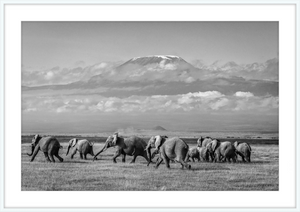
x=102, y=175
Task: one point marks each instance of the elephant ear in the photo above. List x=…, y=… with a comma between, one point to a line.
x=158, y=141
x=36, y=139
x=199, y=141
x=115, y=138
x=152, y=141
x=74, y=142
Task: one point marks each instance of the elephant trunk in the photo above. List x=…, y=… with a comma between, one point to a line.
x=103, y=149
x=68, y=150
x=32, y=149
x=153, y=154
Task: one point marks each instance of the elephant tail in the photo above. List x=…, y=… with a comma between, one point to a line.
x=249, y=147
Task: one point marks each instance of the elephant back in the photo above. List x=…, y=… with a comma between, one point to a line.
x=177, y=143
x=82, y=145
x=206, y=141
x=47, y=143
x=243, y=148
x=175, y=148
x=135, y=141
x=227, y=146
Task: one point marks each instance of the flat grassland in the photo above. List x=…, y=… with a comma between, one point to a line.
x=262, y=174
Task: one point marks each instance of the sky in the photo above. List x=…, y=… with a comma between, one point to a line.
x=50, y=44
x=224, y=78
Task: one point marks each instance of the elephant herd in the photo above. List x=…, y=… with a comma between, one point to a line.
x=209, y=149
x=168, y=149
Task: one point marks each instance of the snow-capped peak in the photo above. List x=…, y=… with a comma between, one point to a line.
x=165, y=57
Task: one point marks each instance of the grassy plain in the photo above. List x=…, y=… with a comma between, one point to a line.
x=103, y=174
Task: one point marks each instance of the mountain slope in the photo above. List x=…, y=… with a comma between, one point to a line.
x=159, y=128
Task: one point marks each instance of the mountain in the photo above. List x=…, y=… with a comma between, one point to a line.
x=171, y=75
x=159, y=128
x=149, y=68
x=156, y=60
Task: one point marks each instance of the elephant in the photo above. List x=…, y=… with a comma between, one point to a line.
x=193, y=153
x=83, y=146
x=225, y=150
x=49, y=145
x=203, y=153
x=133, y=146
x=168, y=149
x=244, y=150
x=203, y=141
x=211, y=148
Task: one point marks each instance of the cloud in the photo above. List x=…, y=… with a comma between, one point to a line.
x=190, y=80
x=49, y=75
x=57, y=75
x=219, y=104
x=195, y=102
x=243, y=94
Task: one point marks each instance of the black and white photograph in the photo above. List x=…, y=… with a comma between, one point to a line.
x=150, y=106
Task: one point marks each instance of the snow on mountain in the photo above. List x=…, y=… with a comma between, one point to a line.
x=165, y=57
x=156, y=61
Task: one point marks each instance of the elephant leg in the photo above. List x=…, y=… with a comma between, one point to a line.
x=36, y=150
x=47, y=157
x=187, y=158
x=193, y=159
x=243, y=158
x=59, y=158
x=117, y=154
x=248, y=158
x=81, y=155
x=146, y=157
x=212, y=156
x=73, y=153
x=133, y=159
x=183, y=164
x=216, y=158
x=52, y=158
x=158, y=162
x=123, y=158
x=84, y=156
x=167, y=161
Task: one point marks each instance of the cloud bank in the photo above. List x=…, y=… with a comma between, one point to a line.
x=190, y=102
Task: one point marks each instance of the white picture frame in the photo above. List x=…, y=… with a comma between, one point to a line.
x=10, y=108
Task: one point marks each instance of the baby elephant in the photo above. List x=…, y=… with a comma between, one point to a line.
x=244, y=150
x=192, y=153
x=84, y=147
x=203, y=153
